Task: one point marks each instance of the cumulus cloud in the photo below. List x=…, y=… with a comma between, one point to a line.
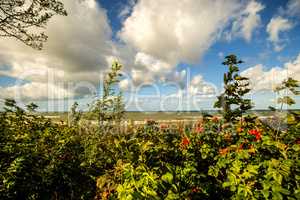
x=198, y=86
x=263, y=79
x=78, y=47
x=247, y=22
x=75, y=44
x=152, y=64
x=155, y=38
x=276, y=26
x=34, y=90
x=126, y=9
x=164, y=33
x=175, y=31
x=146, y=69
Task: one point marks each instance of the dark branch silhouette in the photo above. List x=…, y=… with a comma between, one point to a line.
x=22, y=20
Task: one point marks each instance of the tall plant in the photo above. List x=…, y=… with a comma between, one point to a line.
x=288, y=85
x=231, y=101
x=110, y=108
x=285, y=89
x=74, y=115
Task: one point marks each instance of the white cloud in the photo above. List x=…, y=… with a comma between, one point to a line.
x=126, y=9
x=175, y=31
x=152, y=64
x=124, y=84
x=157, y=36
x=293, y=8
x=198, y=86
x=263, y=79
x=29, y=91
x=161, y=34
x=77, y=43
x=276, y=26
x=164, y=33
x=78, y=47
x=247, y=22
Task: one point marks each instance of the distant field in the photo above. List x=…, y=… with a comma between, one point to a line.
x=137, y=116
x=140, y=116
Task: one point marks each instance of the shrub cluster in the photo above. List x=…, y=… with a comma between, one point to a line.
x=234, y=157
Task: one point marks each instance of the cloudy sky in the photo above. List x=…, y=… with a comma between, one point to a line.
x=171, y=52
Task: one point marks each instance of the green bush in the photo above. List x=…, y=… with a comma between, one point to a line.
x=214, y=158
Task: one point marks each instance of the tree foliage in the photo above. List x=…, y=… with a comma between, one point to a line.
x=288, y=85
x=209, y=159
x=74, y=115
x=235, y=87
x=20, y=19
x=110, y=107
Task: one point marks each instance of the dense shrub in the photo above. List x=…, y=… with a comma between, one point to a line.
x=39, y=159
x=212, y=159
x=214, y=162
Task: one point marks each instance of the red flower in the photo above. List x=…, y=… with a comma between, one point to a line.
x=256, y=133
x=199, y=129
x=298, y=141
x=185, y=142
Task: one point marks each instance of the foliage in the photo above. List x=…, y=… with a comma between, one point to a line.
x=39, y=159
x=289, y=85
x=109, y=108
x=19, y=17
x=209, y=159
x=236, y=86
x=75, y=115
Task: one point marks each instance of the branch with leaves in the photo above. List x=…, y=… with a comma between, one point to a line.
x=19, y=19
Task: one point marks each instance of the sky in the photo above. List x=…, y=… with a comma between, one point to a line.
x=171, y=52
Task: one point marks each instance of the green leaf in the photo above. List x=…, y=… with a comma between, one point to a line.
x=168, y=177
x=265, y=193
x=296, y=147
x=277, y=196
x=226, y=184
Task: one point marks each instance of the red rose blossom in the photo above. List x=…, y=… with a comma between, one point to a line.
x=256, y=133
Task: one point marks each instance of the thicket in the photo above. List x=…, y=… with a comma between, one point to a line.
x=234, y=157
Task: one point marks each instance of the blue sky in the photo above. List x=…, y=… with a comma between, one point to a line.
x=265, y=34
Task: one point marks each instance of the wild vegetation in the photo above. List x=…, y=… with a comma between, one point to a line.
x=234, y=157
x=238, y=156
